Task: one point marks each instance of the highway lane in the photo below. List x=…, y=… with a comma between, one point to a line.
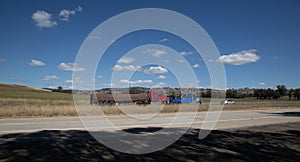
x=228, y=119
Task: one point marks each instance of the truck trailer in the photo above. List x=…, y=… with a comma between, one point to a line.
x=142, y=98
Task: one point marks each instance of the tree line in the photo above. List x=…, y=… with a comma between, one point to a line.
x=266, y=94
x=262, y=94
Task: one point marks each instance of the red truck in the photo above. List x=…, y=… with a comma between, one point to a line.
x=143, y=98
x=159, y=97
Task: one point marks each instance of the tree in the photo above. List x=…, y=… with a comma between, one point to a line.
x=258, y=93
x=59, y=88
x=269, y=93
x=266, y=94
x=297, y=94
x=230, y=93
x=208, y=93
x=282, y=90
x=233, y=93
x=276, y=95
x=290, y=93
x=132, y=91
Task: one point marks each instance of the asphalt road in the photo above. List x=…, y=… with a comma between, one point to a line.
x=228, y=119
x=261, y=135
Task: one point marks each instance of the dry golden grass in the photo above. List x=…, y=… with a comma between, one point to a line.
x=155, y=108
x=48, y=108
x=35, y=107
x=263, y=105
x=23, y=101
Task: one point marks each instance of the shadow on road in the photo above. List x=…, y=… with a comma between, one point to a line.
x=230, y=145
x=290, y=114
x=142, y=130
x=287, y=114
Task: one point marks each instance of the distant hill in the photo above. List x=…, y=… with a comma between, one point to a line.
x=20, y=88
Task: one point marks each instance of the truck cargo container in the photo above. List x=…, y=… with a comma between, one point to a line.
x=143, y=98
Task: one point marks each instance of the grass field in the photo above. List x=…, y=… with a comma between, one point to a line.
x=23, y=92
x=12, y=107
x=21, y=101
x=37, y=95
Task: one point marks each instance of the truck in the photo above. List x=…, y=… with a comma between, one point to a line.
x=142, y=98
x=159, y=97
x=189, y=98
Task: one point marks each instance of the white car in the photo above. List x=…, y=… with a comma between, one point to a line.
x=228, y=102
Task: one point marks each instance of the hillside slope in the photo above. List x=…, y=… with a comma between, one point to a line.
x=20, y=88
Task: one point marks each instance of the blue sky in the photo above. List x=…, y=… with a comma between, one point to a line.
x=258, y=42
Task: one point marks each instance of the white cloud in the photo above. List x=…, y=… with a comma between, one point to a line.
x=262, y=83
x=52, y=87
x=156, y=52
x=126, y=60
x=137, y=82
x=159, y=85
x=95, y=36
x=196, y=66
x=43, y=19
x=75, y=80
x=68, y=81
x=2, y=60
x=180, y=61
x=124, y=81
x=163, y=40
x=189, y=85
x=99, y=76
x=70, y=67
x=142, y=81
x=110, y=84
x=185, y=53
x=239, y=58
x=79, y=9
x=126, y=68
x=161, y=77
x=52, y=77
x=156, y=70
x=20, y=80
x=65, y=14
x=36, y=63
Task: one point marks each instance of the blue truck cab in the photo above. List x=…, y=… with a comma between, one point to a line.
x=189, y=98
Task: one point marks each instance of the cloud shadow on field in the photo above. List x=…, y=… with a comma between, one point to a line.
x=229, y=145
